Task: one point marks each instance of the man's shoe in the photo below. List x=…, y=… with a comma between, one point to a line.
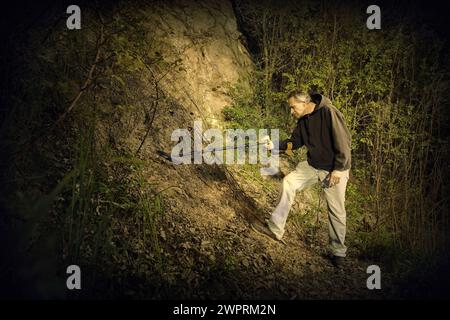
x=264, y=230
x=337, y=261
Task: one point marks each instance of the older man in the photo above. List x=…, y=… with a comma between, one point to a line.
x=322, y=129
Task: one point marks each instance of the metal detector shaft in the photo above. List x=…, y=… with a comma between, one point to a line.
x=168, y=157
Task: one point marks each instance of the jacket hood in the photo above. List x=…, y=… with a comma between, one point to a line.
x=320, y=101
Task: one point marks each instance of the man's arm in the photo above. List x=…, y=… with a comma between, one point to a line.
x=296, y=140
x=341, y=140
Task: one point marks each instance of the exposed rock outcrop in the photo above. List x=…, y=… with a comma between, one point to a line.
x=205, y=37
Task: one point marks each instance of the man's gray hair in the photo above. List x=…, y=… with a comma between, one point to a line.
x=301, y=96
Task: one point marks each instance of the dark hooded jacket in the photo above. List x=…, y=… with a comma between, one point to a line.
x=325, y=135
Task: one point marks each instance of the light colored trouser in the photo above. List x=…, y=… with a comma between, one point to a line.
x=302, y=177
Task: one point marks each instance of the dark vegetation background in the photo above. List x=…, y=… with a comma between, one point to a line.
x=58, y=196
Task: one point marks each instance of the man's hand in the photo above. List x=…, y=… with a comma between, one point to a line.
x=268, y=143
x=335, y=177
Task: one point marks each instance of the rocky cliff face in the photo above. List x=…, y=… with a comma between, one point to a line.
x=204, y=36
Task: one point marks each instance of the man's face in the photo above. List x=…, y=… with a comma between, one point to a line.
x=298, y=108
